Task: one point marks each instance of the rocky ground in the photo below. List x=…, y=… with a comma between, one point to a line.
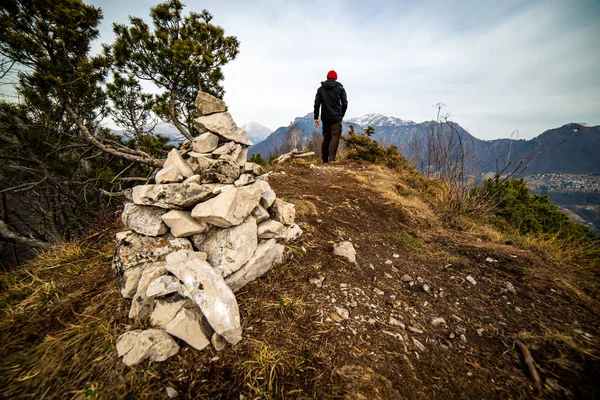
x=428, y=310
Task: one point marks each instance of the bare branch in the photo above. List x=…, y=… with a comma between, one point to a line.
x=7, y=233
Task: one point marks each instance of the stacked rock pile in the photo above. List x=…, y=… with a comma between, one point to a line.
x=209, y=225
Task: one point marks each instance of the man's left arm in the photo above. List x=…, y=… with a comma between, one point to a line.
x=344, y=101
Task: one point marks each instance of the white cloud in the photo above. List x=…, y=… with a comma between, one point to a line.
x=497, y=65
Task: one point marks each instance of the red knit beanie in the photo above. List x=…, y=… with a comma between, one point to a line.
x=332, y=75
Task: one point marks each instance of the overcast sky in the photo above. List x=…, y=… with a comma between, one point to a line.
x=498, y=65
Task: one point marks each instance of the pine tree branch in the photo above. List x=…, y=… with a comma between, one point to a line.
x=88, y=135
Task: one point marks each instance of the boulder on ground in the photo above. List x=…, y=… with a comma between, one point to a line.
x=175, y=159
x=182, y=224
x=228, y=249
x=267, y=255
x=205, y=143
x=144, y=219
x=189, y=326
x=169, y=174
x=283, y=212
x=209, y=291
x=223, y=125
x=230, y=207
x=153, y=344
x=172, y=195
x=207, y=104
x=346, y=250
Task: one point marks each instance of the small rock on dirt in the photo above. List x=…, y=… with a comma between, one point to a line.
x=171, y=393
x=491, y=260
x=378, y=292
x=479, y=331
x=394, y=322
x=396, y=256
x=406, y=278
x=437, y=321
x=346, y=250
x=426, y=288
x=509, y=286
x=471, y=279
x=318, y=281
x=342, y=312
x=388, y=262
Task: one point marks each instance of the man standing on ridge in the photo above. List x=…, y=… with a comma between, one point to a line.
x=331, y=99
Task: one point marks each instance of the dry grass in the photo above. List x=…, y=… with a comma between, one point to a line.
x=264, y=370
x=58, y=325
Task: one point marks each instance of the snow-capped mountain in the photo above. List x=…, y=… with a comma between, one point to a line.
x=378, y=120
x=256, y=132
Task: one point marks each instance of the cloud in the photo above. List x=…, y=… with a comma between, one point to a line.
x=499, y=66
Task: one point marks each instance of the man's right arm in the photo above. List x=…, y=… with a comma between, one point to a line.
x=344, y=101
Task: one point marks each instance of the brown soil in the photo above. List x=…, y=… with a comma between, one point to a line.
x=296, y=345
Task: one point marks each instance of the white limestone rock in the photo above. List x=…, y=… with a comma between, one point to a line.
x=243, y=180
x=182, y=224
x=243, y=157
x=267, y=254
x=253, y=169
x=230, y=149
x=218, y=342
x=346, y=250
x=169, y=174
x=230, y=207
x=153, y=344
x=267, y=195
x=224, y=170
x=165, y=311
x=207, y=104
x=271, y=229
x=188, y=325
x=205, y=143
x=292, y=233
x=193, y=179
x=134, y=252
x=228, y=249
x=209, y=291
x=283, y=212
x=163, y=285
x=172, y=195
x=200, y=163
x=260, y=214
x=142, y=305
x=175, y=159
x=144, y=219
x=223, y=125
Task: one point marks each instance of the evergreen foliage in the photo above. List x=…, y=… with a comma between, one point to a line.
x=257, y=159
x=532, y=213
x=362, y=147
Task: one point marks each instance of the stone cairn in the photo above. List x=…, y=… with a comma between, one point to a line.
x=209, y=225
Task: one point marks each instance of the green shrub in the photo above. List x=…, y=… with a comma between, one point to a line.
x=362, y=147
x=532, y=213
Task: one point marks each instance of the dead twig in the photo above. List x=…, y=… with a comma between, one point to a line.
x=530, y=364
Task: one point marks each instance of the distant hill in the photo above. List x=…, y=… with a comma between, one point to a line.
x=256, y=132
x=568, y=149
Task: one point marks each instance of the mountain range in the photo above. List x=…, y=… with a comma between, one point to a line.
x=569, y=149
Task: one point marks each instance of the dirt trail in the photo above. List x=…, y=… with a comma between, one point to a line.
x=448, y=333
x=470, y=354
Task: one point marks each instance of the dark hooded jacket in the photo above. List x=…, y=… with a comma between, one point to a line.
x=331, y=97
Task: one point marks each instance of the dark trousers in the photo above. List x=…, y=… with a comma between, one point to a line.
x=331, y=140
